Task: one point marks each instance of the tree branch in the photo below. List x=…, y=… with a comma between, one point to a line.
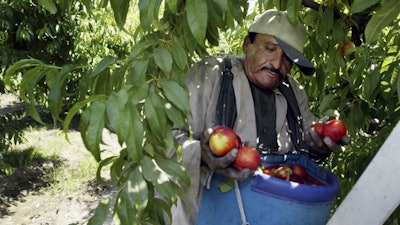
x=310, y=4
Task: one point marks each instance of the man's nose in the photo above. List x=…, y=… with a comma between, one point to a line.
x=276, y=62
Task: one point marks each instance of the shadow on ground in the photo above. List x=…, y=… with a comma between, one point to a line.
x=22, y=173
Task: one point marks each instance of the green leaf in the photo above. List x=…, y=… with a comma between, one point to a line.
x=137, y=74
x=120, y=8
x=31, y=81
x=356, y=115
x=117, y=114
x=226, y=185
x=398, y=87
x=148, y=13
x=137, y=191
x=196, y=15
x=155, y=118
x=136, y=133
x=24, y=85
x=103, y=163
x=162, y=209
x=173, y=169
x=215, y=20
x=325, y=102
x=102, y=83
x=88, y=4
x=103, y=65
x=125, y=211
x=150, y=171
x=177, y=116
x=237, y=14
x=212, y=34
x=167, y=188
x=179, y=54
x=370, y=83
x=101, y=213
x=57, y=91
x=361, y=5
x=23, y=63
x=176, y=94
x=91, y=127
x=49, y=5
x=120, y=168
x=356, y=77
x=118, y=77
x=138, y=92
x=155, y=114
x=293, y=8
x=382, y=18
x=310, y=17
x=327, y=20
x=77, y=107
x=223, y=4
x=173, y=6
x=163, y=59
x=141, y=47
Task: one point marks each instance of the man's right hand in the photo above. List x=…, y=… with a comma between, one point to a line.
x=221, y=164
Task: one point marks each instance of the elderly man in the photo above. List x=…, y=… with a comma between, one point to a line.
x=256, y=96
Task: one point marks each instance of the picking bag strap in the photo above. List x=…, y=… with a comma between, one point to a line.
x=294, y=117
x=226, y=106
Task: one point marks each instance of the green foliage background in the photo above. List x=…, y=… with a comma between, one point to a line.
x=123, y=71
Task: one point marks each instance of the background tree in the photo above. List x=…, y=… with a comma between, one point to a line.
x=141, y=96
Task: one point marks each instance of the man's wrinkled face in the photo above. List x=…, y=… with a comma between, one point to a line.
x=265, y=63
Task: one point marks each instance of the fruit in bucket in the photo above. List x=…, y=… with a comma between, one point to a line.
x=299, y=170
x=223, y=140
x=268, y=172
x=296, y=178
x=283, y=172
x=294, y=173
x=247, y=157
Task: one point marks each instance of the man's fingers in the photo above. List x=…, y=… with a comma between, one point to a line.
x=233, y=173
x=331, y=144
x=345, y=140
x=244, y=173
x=226, y=160
x=313, y=139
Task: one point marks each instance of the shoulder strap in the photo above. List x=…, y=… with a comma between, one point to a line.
x=226, y=106
x=294, y=117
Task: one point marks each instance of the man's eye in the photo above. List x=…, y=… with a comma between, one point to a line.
x=269, y=49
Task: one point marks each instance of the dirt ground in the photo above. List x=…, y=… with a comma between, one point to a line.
x=28, y=200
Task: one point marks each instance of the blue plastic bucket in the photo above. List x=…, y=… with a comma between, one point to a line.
x=272, y=201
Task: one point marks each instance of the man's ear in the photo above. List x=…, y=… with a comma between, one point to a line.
x=246, y=44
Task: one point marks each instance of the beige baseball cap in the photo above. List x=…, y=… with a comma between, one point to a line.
x=290, y=37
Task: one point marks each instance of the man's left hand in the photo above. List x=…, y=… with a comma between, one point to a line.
x=323, y=146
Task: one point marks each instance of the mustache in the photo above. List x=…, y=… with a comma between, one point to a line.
x=278, y=72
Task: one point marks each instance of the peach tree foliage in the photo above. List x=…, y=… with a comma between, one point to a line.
x=59, y=35
x=140, y=97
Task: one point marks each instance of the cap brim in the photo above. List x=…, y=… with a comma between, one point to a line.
x=302, y=62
